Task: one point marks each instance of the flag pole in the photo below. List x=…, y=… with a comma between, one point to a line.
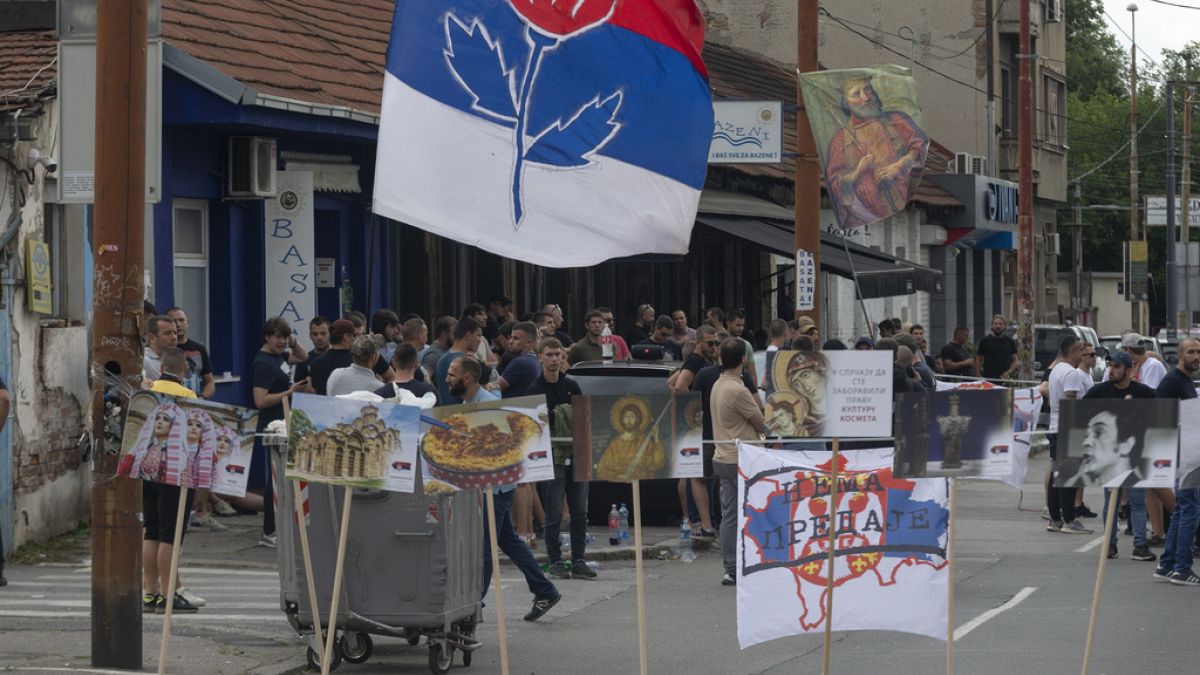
x=1109, y=517
x=833, y=495
x=950, y=583
x=492, y=541
x=337, y=581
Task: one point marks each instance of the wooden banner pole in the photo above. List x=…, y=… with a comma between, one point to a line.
x=1109, y=517
x=950, y=582
x=494, y=543
x=641, y=580
x=302, y=526
x=337, y=582
x=314, y=609
x=833, y=496
x=168, y=593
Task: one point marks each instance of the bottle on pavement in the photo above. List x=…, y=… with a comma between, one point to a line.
x=686, y=554
x=614, y=526
x=624, y=524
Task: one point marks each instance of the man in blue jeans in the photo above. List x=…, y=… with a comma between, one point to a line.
x=1175, y=565
x=545, y=595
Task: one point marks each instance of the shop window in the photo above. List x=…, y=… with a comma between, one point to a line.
x=190, y=229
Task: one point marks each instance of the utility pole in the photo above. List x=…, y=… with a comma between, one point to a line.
x=1172, y=310
x=1186, y=190
x=1025, y=199
x=116, y=341
x=807, y=188
x=1136, y=306
x=1077, y=253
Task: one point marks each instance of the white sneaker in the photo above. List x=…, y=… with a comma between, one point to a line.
x=207, y=522
x=191, y=597
x=222, y=507
x=268, y=540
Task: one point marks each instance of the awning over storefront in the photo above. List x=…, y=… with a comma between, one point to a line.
x=879, y=275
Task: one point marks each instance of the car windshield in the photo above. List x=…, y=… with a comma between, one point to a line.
x=1045, y=346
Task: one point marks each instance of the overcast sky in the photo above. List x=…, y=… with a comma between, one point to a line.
x=1159, y=26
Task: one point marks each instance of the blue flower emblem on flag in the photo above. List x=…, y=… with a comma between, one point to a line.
x=505, y=92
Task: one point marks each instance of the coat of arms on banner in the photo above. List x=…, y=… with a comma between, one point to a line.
x=890, y=570
x=868, y=130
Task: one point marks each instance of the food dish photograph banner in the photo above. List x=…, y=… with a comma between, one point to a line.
x=187, y=442
x=352, y=442
x=637, y=437
x=1117, y=443
x=829, y=394
x=477, y=445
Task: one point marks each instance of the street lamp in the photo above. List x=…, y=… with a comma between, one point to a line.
x=1133, y=158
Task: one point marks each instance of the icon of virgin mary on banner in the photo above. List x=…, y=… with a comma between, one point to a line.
x=868, y=130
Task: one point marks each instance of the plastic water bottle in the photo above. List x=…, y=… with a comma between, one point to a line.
x=606, y=343
x=624, y=524
x=564, y=539
x=686, y=554
x=614, y=526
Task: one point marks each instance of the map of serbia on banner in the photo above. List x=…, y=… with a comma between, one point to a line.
x=890, y=571
x=558, y=133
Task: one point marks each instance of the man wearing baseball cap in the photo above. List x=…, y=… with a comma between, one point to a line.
x=1146, y=369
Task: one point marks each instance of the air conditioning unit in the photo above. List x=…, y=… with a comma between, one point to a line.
x=251, y=172
x=1053, y=244
x=966, y=163
x=1054, y=10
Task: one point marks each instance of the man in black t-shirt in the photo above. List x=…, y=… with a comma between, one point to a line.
x=199, y=376
x=661, y=336
x=272, y=383
x=318, y=335
x=997, y=353
x=342, y=334
x=704, y=354
x=955, y=359
x=558, y=389
x=404, y=362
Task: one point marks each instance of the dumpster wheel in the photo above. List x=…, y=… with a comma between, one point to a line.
x=314, y=662
x=441, y=658
x=355, y=647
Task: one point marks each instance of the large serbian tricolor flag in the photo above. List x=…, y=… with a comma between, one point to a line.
x=558, y=132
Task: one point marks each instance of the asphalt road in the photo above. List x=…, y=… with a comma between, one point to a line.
x=1005, y=559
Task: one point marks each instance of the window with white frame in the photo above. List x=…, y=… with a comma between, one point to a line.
x=190, y=229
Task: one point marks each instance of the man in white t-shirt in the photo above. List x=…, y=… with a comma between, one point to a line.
x=1066, y=381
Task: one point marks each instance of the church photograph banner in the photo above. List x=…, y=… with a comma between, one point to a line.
x=829, y=394
x=351, y=442
x=890, y=570
x=869, y=134
x=637, y=437
x=961, y=433
x=1117, y=443
x=478, y=445
x=187, y=442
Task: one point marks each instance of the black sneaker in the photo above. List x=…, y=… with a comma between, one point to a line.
x=1084, y=512
x=179, y=606
x=541, y=606
x=1184, y=579
x=581, y=570
x=1142, y=553
x=1162, y=574
x=150, y=602
x=1112, y=551
x=560, y=570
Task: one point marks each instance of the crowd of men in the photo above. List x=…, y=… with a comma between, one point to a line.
x=489, y=353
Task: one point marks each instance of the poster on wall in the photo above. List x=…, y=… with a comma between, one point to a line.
x=637, y=436
x=826, y=394
x=289, y=271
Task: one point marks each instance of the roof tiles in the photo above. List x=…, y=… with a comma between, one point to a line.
x=27, y=66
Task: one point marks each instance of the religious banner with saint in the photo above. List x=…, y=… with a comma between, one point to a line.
x=868, y=130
